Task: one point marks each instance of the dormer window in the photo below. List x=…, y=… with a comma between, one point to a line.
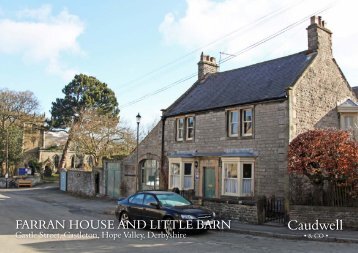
x=347, y=122
x=349, y=116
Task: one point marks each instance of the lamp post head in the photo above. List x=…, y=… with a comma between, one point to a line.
x=138, y=117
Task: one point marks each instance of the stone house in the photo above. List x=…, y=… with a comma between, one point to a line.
x=226, y=137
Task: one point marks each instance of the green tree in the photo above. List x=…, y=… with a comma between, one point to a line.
x=11, y=145
x=82, y=94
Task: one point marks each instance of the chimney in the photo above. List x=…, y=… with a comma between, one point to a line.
x=319, y=37
x=206, y=65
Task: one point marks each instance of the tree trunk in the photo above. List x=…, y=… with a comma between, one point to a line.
x=66, y=148
x=318, y=194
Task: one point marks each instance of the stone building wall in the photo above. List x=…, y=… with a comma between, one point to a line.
x=270, y=141
x=47, y=157
x=33, y=134
x=149, y=148
x=320, y=89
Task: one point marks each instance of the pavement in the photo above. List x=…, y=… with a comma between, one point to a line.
x=106, y=206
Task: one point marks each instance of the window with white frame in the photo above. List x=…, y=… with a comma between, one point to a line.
x=246, y=122
x=181, y=173
x=150, y=175
x=233, y=123
x=247, y=184
x=175, y=175
x=238, y=177
x=180, y=129
x=230, y=178
x=188, y=176
x=190, y=128
x=348, y=122
x=240, y=125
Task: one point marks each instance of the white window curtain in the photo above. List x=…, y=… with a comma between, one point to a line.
x=188, y=176
x=175, y=175
x=246, y=185
x=247, y=174
x=230, y=178
x=175, y=181
x=231, y=185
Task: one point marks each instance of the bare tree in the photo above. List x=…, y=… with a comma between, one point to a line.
x=16, y=109
x=101, y=136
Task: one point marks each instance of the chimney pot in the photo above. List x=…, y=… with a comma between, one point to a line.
x=319, y=37
x=313, y=20
x=206, y=65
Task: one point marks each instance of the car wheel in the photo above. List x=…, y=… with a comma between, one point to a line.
x=168, y=226
x=124, y=218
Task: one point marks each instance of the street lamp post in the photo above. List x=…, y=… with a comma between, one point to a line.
x=7, y=157
x=138, y=117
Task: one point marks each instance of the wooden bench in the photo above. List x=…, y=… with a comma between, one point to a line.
x=24, y=183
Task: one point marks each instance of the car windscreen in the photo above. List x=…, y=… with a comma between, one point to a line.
x=172, y=200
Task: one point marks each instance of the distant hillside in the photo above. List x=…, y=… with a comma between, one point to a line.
x=53, y=139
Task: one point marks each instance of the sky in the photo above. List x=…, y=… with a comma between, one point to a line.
x=147, y=50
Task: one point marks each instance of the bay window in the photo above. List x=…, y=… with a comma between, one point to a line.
x=188, y=176
x=181, y=173
x=175, y=175
x=238, y=176
x=247, y=178
x=230, y=178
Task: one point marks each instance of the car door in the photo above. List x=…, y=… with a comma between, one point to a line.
x=151, y=212
x=135, y=208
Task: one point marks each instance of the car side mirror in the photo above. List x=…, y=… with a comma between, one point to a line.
x=154, y=204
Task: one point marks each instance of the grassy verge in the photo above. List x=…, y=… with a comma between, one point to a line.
x=53, y=178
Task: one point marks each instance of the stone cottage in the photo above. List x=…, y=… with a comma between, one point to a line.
x=226, y=138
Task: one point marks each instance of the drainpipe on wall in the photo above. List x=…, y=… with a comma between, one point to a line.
x=291, y=132
x=162, y=161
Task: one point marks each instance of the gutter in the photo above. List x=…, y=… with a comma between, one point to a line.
x=268, y=100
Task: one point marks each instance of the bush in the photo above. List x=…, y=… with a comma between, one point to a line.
x=35, y=166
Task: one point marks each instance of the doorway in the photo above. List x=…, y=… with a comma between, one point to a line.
x=209, y=182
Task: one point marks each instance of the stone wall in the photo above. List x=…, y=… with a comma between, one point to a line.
x=81, y=182
x=242, y=213
x=270, y=141
x=326, y=214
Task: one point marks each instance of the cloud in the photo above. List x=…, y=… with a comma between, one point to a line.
x=40, y=36
x=206, y=21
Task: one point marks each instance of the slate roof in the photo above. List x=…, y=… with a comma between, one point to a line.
x=355, y=89
x=259, y=82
